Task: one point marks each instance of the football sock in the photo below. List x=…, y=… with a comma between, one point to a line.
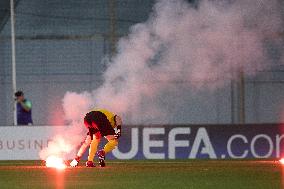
x=110, y=145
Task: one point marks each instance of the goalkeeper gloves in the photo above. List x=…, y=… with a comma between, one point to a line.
x=118, y=132
x=75, y=161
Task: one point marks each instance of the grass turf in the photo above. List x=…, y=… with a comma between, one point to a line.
x=189, y=174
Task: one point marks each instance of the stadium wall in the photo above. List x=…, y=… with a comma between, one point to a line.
x=160, y=142
x=60, y=46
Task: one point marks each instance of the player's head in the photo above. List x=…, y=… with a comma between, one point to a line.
x=88, y=120
x=19, y=95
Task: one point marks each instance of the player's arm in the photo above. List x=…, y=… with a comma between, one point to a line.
x=118, y=123
x=27, y=105
x=81, y=151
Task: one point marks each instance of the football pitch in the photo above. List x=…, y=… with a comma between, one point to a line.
x=146, y=174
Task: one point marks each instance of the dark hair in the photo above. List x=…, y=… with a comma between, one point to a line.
x=88, y=118
x=19, y=93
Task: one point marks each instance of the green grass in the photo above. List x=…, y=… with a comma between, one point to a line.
x=188, y=174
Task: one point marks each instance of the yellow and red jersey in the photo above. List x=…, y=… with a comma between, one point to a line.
x=110, y=116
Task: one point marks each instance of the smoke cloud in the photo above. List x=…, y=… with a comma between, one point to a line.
x=65, y=141
x=181, y=46
x=202, y=46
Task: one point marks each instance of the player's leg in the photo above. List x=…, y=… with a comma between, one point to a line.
x=108, y=132
x=93, y=149
x=110, y=145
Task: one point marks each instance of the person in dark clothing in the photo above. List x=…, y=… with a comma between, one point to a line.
x=24, y=109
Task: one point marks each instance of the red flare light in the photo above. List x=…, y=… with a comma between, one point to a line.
x=281, y=161
x=55, y=162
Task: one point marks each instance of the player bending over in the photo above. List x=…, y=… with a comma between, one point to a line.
x=101, y=123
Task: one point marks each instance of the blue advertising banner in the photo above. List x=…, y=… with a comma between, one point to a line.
x=200, y=141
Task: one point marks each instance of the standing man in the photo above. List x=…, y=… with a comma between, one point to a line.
x=100, y=123
x=24, y=109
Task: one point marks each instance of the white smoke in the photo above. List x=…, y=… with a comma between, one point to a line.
x=76, y=105
x=203, y=46
x=66, y=139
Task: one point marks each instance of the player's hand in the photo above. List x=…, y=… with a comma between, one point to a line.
x=90, y=164
x=117, y=134
x=75, y=162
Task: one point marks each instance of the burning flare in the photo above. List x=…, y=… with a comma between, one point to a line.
x=281, y=161
x=55, y=162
